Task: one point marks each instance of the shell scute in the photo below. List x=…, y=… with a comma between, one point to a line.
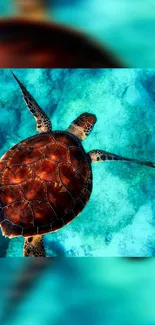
x=72, y=180
x=10, y=194
x=2, y=165
x=43, y=213
x=19, y=213
x=79, y=161
x=59, y=198
x=46, y=170
x=56, y=152
x=34, y=189
x=25, y=156
x=27, y=232
x=66, y=139
x=38, y=141
x=69, y=217
x=78, y=207
x=57, y=224
x=10, y=230
x=15, y=175
x=44, y=229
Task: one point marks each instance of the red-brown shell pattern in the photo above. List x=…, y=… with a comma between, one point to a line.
x=45, y=182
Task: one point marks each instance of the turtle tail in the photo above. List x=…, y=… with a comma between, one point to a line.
x=34, y=247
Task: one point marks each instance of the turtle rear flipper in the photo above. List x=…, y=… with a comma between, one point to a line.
x=34, y=247
x=100, y=156
x=43, y=122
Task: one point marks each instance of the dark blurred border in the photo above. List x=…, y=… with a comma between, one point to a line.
x=27, y=43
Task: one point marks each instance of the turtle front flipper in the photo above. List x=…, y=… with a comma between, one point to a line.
x=100, y=156
x=34, y=247
x=83, y=125
x=43, y=122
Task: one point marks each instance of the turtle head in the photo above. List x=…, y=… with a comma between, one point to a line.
x=82, y=126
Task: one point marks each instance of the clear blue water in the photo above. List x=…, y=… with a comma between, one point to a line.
x=119, y=218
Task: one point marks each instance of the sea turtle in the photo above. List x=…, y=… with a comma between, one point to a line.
x=46, y=180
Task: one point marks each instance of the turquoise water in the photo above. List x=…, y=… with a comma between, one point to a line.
x=119, y=218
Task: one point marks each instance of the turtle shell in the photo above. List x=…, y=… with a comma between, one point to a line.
x=45, y=181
